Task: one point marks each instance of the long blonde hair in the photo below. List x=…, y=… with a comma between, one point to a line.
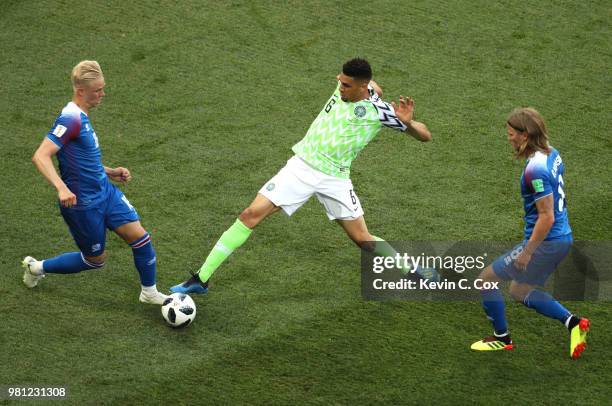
x=85, y=72
x=529, y=120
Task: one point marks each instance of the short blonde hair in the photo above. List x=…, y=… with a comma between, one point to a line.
x=85, y=72
x=529, y=120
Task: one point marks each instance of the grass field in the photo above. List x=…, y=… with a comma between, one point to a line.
x=204, y=101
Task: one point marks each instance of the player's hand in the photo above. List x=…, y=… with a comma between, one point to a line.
x=120, y=174
x=405, y=110
x=522, y=261
x=67, y=198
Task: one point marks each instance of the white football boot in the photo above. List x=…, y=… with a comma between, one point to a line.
x=151, y=295
x=33, y=271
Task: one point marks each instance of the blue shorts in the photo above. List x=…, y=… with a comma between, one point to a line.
x=88, y=225
x=543, y=262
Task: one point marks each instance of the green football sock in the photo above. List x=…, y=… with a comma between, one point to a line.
x=231, y=239
x=383, y=249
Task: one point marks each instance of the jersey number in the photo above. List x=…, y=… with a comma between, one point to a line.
x=330, y=105
x=353, y=197
x=561, y=194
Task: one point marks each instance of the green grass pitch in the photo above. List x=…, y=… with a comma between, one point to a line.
x=204, y=101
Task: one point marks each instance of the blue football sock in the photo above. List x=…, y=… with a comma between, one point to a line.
x=495, y=308
x=70, y=262
x=144, y=259
x=545, y=304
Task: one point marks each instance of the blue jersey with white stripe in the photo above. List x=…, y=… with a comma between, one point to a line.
x=543, y=176
x=80, y=158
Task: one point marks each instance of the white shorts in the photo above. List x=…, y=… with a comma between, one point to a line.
x=293, y=185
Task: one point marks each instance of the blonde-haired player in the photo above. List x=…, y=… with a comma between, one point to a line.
x=89, y=202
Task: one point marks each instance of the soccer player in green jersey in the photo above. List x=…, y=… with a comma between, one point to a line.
x=351, y=118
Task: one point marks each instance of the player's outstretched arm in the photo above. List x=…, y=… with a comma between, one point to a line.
x=404, y=112
x=43, y=160
x=376, y=88
x=118, y=174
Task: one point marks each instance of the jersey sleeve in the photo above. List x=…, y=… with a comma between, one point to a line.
x=65, y=129
x=386, y=114
x=537, y=181
x=372, y=92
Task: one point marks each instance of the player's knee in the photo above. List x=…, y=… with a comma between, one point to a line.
x=487, y=275
x=519, y=291
x=141, y=234
x=98, y=261
x=246, y=216
x=250, y=217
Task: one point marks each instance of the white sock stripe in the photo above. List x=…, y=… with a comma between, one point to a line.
x=92, y=264
x=568, y=320
x=145, y=240
x=142, y=241
x=219, y=246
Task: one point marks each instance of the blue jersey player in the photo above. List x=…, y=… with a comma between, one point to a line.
x=548, y=238
x=89, y=202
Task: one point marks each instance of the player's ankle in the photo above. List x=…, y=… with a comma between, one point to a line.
x=149, y=290
x=571, y=322
x=504, y=337
x=36, y=267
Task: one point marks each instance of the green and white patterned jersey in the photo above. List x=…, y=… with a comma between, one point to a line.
x=342, y=130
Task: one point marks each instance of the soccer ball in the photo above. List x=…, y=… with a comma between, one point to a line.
x=178, y=310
